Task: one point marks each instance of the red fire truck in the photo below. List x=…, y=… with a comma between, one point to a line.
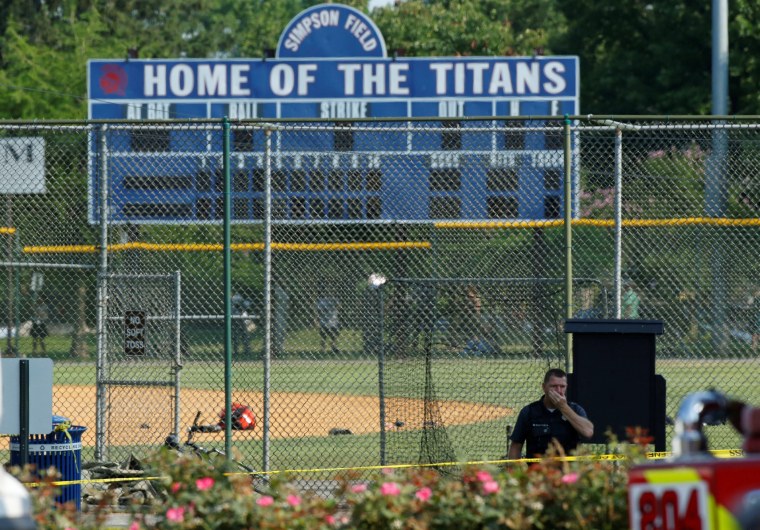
x=694, y=490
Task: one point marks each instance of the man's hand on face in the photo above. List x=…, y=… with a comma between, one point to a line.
x=556, y=399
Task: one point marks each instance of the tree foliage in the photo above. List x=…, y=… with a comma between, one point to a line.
x=44, y=50
x=744, y=42
x=42, y=80
x=468, y=27
x=654, y=57
x=637, y=57
x=632, y=60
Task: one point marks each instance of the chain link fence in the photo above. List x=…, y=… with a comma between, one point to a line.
x=408, y=294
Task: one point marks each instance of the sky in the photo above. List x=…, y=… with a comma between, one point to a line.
x=379, y=3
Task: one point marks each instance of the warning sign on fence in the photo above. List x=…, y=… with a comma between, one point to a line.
x=134, y=332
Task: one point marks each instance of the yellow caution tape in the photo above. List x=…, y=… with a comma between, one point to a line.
x=719, y=453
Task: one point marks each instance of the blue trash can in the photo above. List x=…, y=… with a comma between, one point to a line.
x=56, y=450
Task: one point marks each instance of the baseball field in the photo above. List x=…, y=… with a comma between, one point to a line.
x=476, y=400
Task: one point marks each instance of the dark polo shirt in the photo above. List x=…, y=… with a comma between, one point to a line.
x=537, y=425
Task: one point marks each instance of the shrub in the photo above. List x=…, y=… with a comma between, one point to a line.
x=580, y=493
x=584, y=493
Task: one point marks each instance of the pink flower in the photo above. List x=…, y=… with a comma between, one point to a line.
x=484, y=476
x=490, y=486
x=134, y=526
x=175, y=487
x=390, y=488
x=266, y=500
x=329, y=519
x=424, y=494
x=358, y=488
x=204, y=483
x=293, y=500
x=175, y=514
x=570, y=478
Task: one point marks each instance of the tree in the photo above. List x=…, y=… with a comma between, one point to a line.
x=44, y=50
x=632, y=60
x=468, y=27
x=744, y=58
x=654, y=57
x=43, y=81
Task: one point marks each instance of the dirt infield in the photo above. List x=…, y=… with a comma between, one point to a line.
x=143, y=415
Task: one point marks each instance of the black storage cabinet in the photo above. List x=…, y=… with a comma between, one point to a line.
x=614, y=376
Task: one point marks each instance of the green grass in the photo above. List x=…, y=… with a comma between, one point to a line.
x=453, y=377
x=734, y=377
x=507, y=382
x=57, y=347
x=478, y=441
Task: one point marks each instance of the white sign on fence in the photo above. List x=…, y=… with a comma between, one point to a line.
x=40, y=396
x=22, y=165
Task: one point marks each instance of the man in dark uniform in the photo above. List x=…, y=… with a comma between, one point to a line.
x=551, y=417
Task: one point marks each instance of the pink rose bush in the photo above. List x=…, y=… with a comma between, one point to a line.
x=175, y=515
x=583, y=493
x=204, y=483
x=265, y=500
x=358, y=488
x=490, y=487
x=570, y=478
x=293, y=500
x=390, y=489
x=424, y=494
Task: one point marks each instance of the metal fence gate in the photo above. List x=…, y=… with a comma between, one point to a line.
x=139, y=360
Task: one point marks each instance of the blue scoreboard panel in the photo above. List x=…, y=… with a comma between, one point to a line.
x=354, y=168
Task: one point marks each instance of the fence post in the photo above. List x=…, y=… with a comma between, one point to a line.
x=618, y=222
x=378, y=291
x=17, y=293
x=177, y=346
x=267, y=291
x=102, y=330
x=568, y=167
x=227, y=290
x=10, y=350
x=716, y=206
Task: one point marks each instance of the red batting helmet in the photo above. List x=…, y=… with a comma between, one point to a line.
x=242, y=417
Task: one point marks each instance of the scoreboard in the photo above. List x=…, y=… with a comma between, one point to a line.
x=332, y=64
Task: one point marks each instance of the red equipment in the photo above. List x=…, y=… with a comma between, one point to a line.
x=694, y=490
x=242, y=417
